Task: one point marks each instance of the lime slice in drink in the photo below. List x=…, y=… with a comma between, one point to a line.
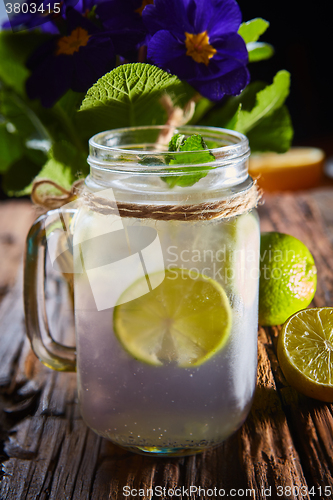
x=305, y=352
x=184, y=321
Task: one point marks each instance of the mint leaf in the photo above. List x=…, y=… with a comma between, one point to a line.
x=130, y=95
x=273, y=133
x=176, y=142
x=268, y=100
x=190, y=174
x=252, y=30
x=259, y=51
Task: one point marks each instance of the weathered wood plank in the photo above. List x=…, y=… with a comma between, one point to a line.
x=15, y=219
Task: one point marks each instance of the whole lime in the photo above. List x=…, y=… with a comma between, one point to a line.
x=288, y=277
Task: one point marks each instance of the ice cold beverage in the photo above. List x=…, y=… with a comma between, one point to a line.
x=162, y=408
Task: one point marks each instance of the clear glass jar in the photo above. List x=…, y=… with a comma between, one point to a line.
x=166, y=302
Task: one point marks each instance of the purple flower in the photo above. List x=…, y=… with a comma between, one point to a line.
x=124, y=19
x=74, y=61
x=197, y=40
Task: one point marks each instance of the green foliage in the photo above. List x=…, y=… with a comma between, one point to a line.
x=10, y=147
x=20, y=174
x=176, y=141
x=53, y=143
x=273, y=133
x=14, y=51
x=252, y=30
x=258, y=51
x=64, y=165
x=192, y=174
x=258, y=112
x=267, y=101
x=130, y=95
x=27, y=130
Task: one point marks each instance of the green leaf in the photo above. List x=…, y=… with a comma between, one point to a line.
x=71, y=102
x=65, y=153
x=176, y=141
x=226, y=115
x=202, y=107
x=58, y=172
x=273, y=133
x=129, y=96
x=268, y=100
x=53, y=170
x=231, y=124
x=259, y=51
x=192, y=143
x=10, y=147
x=252, y=30
x=12, y=110
x=64, y=166
x=20, y=174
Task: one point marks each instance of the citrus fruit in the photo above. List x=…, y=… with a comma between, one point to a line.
x=185, y=320
x=298, y=168
x=305, y=352
x=288, y=277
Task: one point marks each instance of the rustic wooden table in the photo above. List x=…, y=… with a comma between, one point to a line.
x=284, y=449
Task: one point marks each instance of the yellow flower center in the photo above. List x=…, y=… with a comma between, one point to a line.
x=143, y=5
x=72, y=43
x=199, y=48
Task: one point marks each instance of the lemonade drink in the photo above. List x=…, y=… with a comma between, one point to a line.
x=166, y=257
x=162, y=407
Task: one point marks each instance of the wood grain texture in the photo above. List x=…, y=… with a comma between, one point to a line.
x=47, y=452
x=15, y=219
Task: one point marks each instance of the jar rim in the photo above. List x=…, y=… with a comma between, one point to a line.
x=132, y=151
x=104, y=147
x=240, y=140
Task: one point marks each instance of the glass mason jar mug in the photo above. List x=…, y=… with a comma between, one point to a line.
x=164, y=250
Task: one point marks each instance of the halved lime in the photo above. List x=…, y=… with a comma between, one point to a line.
x=305, y=352
x=184, y=321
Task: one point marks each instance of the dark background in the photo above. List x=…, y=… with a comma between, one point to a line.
x=302, y=35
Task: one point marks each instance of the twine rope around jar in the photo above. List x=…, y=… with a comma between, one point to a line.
x=221, y=209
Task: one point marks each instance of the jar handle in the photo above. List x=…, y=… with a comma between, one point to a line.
x=51, y=353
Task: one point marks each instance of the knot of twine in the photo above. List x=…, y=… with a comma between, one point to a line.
x=230, y=207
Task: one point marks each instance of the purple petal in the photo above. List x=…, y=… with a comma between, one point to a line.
x=50, y=80
x=168, y=53
x=91, y=62
x=167, y=14
x=75, y=20
x=218, y=17
x=230, y=84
